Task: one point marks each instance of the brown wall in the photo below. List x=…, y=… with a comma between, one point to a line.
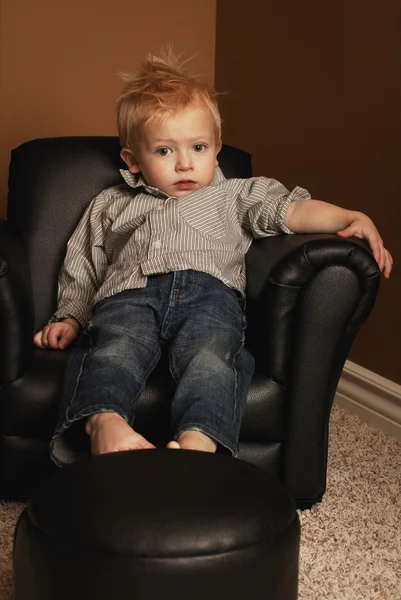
x=315, y=96
x=59, y=61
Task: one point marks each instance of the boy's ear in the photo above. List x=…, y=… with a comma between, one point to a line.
x=130, y=160
x=217, y=151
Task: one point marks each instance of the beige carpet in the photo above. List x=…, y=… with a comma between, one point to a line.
x=351, y=542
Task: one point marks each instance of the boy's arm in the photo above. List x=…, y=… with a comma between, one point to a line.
x=80, y=276
x=316, y=216
x=84, y=265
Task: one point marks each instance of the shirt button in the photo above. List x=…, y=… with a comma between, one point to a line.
x=160, y=207
x=157, y=244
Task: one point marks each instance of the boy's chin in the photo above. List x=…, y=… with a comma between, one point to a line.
x=183, y=193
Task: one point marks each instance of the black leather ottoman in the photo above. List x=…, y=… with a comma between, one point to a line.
x=158, y=525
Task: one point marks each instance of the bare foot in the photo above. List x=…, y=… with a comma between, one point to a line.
x=109, y=432
x=194, y=440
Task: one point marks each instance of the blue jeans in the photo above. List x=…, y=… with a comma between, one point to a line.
x=202, y=323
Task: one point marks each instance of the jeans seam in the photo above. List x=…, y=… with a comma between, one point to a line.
x=172, y=367
x=81, y=368
x=172, y=300
x=236, y=371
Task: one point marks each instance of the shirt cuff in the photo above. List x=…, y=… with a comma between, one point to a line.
x=296, y=195
x=56, y=318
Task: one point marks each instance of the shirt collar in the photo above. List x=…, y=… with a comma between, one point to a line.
x=136, y=180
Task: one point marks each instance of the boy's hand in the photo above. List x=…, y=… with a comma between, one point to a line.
x=316, y=216
x=57, y=335
x=364, y=228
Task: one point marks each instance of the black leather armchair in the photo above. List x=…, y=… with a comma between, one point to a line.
x=307, y=297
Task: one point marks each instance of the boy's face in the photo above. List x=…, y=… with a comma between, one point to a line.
x=176, y=155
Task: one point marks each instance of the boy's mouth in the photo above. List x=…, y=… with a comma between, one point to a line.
x=185, y=184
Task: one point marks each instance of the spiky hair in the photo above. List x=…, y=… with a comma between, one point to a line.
x=161, y=87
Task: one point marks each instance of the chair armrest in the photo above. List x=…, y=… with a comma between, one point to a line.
x=281, y=271
x=16, y=306
x=294, y=255
x=307, y=298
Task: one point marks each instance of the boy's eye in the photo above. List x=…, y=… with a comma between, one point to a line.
x=163, y=151
x=199, y=147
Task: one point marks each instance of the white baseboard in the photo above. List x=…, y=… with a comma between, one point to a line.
x=374, y=399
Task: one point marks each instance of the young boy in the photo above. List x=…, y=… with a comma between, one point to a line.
x=159, y=260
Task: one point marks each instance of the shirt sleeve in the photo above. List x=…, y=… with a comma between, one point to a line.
x=84, y=265
x=262, y=205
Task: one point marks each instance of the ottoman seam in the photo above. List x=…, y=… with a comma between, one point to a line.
x=158, y=557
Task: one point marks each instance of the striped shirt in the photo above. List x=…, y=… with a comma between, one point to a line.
x=134, y=230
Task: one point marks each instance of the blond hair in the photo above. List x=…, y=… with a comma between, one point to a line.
x=160, y=88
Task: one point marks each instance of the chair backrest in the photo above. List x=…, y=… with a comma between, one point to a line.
x=51, y=182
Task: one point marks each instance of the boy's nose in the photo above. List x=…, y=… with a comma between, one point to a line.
x=184, y=162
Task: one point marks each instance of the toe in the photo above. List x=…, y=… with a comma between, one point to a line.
x=173, y=445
